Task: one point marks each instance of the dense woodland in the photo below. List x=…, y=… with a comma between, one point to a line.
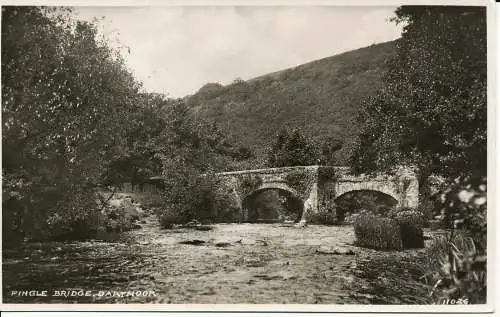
x=76, y=122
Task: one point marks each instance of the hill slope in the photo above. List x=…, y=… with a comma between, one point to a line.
x=321, y=97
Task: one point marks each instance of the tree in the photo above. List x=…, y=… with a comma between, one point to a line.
x=432, y=115
x=328, y=147
x=65, y=101
x=432, y=111
x=292, y=148
x=190, y=151
x=144, y=140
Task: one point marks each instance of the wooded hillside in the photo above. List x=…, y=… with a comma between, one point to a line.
x=321, y=97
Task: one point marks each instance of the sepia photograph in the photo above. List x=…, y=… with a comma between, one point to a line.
x=321, y=155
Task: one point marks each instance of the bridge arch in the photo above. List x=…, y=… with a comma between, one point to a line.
x=388, y=197
x=279, y=186
x=372, y=201
x=315, y=188
x=294, y=204
x=381, y=187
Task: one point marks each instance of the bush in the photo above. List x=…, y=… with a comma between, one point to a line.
x=411, y=223
x=412, y=234
x=190, y=196
x=462, y=255
x=323, y=218
x=456, y=269
x=74, y=215
x=378, y=233
x=409, y=214
x=170, y=217
x=44, y=213
x=119, y=218
x=225, y=208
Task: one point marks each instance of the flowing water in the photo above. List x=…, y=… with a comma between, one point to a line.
x=233, y=263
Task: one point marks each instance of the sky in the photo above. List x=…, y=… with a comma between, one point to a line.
x=177, y=50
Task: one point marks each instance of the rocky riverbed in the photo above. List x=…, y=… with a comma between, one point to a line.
x=232, y=263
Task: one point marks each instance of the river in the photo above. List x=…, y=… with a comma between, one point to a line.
x=233, y=263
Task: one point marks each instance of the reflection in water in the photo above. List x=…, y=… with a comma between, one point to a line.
x=272, y=205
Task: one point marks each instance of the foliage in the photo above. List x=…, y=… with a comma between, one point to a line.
x=321, y=98
x=327, y=174
x=463, y=267
x=324, y=217
x=226, y=208
x=463, y=206
x=267, y=205
x=378, y=233
x=300, y=180
x=189, y=150
x=367, y=201
x=328, y=147
x=65, y=100
x=408, y=214
x=139, y=159
x=184, y=194
x=432, y=111
x=75, y=120
x=456, y=269
x=292, y=148
x=222, y=203
x=191, y=196
x=170, y=216
x=412, y=234
x=432, y=114
x=248, y=183
x=164, y=129
x=411, y=223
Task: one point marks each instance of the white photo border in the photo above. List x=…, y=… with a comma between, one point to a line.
x=493, y=179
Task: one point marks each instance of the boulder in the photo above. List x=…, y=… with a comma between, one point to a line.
x=336, y=251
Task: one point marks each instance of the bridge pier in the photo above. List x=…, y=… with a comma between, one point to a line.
x=310, y=204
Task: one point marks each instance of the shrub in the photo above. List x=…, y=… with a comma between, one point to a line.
x=120, y=218
x=225, y=207
x=426, y=208
x=409, y=214
x=190, y=196
x=456, y=269
x=171, y=216
x=75, y=215
x=48, y=212
x=462, y=265
x=183, y=195
x=378, y=233
x=323, y=218
x=410, y=222
x=412, y=234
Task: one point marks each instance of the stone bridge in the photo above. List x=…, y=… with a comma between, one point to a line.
x=317, y=187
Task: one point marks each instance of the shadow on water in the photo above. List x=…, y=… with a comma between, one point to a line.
x=110, y=262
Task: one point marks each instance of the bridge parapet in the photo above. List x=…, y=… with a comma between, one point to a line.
x=271, y=170
x=317, y=186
